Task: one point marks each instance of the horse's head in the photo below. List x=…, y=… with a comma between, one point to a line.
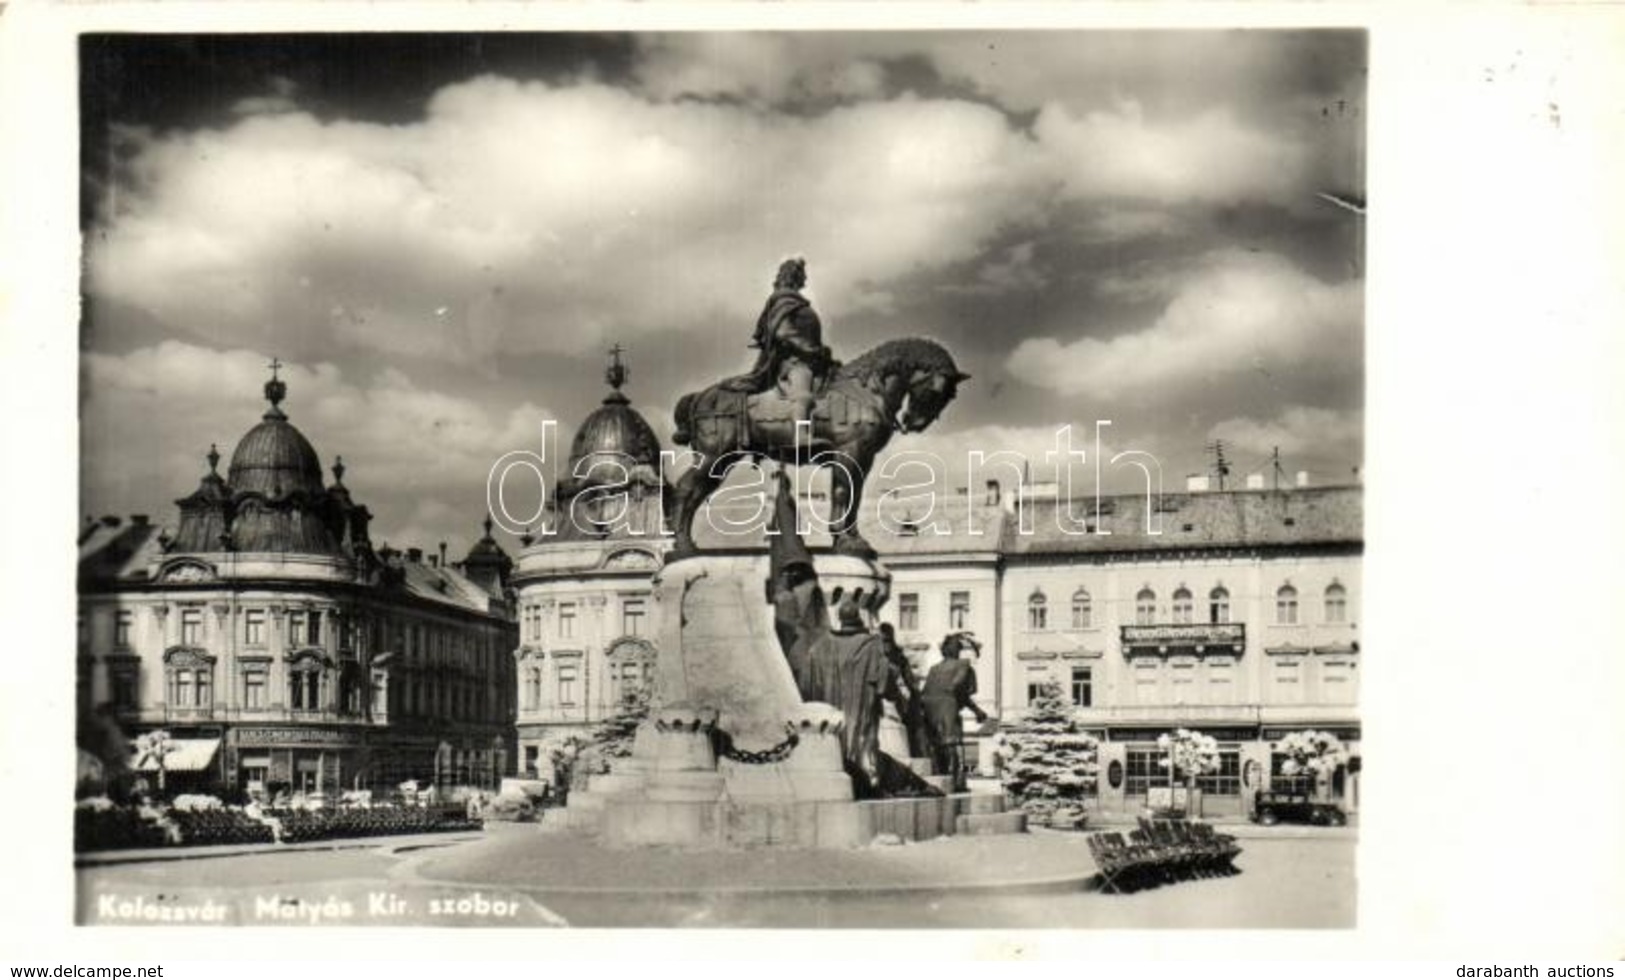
x=929, y=392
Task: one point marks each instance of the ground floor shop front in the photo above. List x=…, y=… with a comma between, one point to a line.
x=298, y=760
x=1133, y=773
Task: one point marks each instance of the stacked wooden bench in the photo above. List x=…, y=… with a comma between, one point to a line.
x=1161, y=852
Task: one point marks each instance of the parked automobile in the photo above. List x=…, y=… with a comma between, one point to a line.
x=1271, y=808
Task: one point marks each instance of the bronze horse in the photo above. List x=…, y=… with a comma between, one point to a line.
x=899, y=386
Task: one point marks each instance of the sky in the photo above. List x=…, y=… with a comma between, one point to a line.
x=441, y=235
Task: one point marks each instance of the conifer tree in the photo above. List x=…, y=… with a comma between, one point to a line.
x=1049, y=764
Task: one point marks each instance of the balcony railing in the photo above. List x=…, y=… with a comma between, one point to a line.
x=1164, y=639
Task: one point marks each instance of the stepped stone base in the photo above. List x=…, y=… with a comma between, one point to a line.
x=631, y=821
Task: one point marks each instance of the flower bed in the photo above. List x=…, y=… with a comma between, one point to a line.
x=309, y=825
x=220, y=826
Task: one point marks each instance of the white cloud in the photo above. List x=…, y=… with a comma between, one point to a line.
x=1212, y=157
x=1236, y=312
x=416, y=457
x=523, y=217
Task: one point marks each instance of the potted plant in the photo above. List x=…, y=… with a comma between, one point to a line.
x=1188, y=754
x=1315, y=754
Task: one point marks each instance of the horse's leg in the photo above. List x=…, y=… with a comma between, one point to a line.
x=845, y=498
x=692, y=491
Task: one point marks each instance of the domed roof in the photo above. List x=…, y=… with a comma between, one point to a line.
x=614, y=438
x=275, y=459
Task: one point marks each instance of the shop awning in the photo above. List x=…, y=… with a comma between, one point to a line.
x=184, y=755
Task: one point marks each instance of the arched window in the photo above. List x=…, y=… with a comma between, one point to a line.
x=1182, y=605
x=1083, y=613
x=1337, y=604
x=1037, y=611
x=1145, y=607
x=1218, y=605
x=1286, y=605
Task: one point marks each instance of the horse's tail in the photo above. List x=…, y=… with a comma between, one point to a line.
x=682, y=417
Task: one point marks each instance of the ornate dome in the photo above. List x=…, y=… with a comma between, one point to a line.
x=613, y=440
x=275, y=459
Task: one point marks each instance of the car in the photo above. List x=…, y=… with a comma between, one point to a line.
x=1270, y=808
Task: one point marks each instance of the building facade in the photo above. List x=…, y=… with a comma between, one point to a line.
x=584, y=582
x=279, y=650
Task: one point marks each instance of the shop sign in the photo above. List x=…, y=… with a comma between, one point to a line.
x=296, y=736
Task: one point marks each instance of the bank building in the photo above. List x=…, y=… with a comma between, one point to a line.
x=279, y=649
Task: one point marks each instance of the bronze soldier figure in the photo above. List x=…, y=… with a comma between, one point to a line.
x=950, y=686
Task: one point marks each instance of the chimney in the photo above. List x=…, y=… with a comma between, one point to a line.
x=442, y=554
x=1196, y=484
x=414, y=555
x=1255, y=481
x=434, y=561
x=992, y=493
x=138, y=520
x=1303, y=478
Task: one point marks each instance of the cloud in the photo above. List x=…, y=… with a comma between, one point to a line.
x=1212, y=157
x=522, y=217
x=1297, y=431
x=1236, y=312
x=416, y=457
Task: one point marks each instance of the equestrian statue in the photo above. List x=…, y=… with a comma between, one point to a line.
x=799, y=406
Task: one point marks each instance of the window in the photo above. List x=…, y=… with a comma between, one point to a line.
x=1037, y=611
x=315, y=629
x=1182, y=605
x=1221, y=675
x=121, y=629
x=628, y=677
x=1226, y=781
x=958, y=610
x=567, y=620
x=191, y=627
x=1182, y=675
x=254, y=689
x=296, y=628
x=533, y=755
x=304, y=690
x=380, y=693
x=1145, y=607
x=1286, y=606
x=1083, y=613
x=1337, y=609
x=567, y=684
x=1142, y=770
x=1083, y=686
x=126, y=688
x=908, y=611
x=254, y=627
x=632, y=616
x=533, y=688
x=1218, y=605
x=180, y=688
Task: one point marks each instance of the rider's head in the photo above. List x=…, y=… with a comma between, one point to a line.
x=792, y=274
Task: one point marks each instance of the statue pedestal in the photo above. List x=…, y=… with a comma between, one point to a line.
x=779, y=781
